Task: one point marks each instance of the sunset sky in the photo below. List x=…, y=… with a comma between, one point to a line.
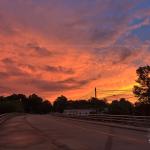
x=69, y=47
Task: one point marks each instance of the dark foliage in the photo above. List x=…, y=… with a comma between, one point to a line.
x=21, y=103
x=142, y=109
x=142, y=91
x=93, y=103
x=122, y=107
x=116, y=107
x=60, y=104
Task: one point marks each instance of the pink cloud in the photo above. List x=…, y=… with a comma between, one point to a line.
x=54, y=49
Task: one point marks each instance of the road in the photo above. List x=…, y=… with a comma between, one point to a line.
x=46, y=132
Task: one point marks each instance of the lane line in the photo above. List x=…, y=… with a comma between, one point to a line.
x=109, y=141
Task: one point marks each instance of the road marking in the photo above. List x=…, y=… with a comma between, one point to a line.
x=109, y=141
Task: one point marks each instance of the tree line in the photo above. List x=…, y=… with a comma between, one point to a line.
x=21, y=103
x=116, y=107
x=36, y=105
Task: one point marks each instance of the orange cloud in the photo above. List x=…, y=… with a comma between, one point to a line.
x=53, y=48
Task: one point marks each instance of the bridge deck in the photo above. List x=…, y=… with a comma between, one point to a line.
x=45, y=132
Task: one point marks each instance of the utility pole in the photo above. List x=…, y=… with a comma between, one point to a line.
x=95, y=92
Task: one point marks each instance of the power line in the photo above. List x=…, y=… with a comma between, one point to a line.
x=112, y=90
x=108, y=93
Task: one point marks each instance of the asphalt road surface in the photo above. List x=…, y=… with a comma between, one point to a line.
x=46, y=132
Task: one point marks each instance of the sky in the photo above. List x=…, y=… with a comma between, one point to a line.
x=69, y=47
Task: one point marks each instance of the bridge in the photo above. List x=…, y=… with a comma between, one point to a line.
x=49, y=132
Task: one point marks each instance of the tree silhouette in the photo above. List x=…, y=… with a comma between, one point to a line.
x=142, y=91
x=99, y=105
x=60, y=104
x=142, y=109
x=34, y=103
x=122, y=107
x=46, y=107
x=22, y=103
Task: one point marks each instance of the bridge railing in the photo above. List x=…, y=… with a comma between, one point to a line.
x=139, y=121
x=4, y=117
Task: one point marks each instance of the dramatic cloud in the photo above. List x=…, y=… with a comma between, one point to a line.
x=41, y=51
x=70, y=47
x=59, y=69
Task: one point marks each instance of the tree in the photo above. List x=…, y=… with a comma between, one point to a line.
x=122, y=107
x=14, y=100
x=46, y=107
x=60, y=104
x=21, y=103
x=126, y=106
x=24, y=100
x=142, y=109
x=142, y=90
x=34, y=103
x=99, y=105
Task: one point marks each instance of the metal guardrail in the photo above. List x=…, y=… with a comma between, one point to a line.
x=138, y=121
